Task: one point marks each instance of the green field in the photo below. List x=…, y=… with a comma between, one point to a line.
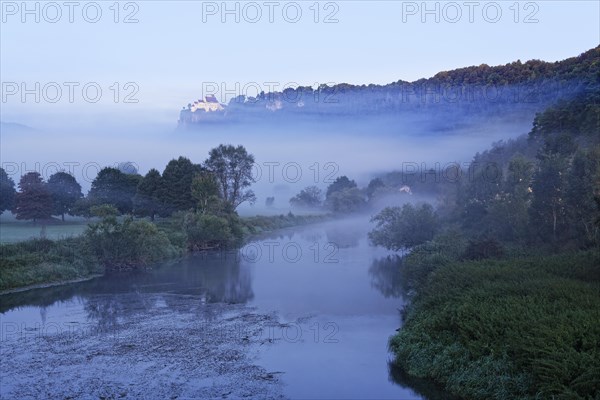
x=18, y=231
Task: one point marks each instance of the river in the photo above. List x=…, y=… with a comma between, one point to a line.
x=301, y=313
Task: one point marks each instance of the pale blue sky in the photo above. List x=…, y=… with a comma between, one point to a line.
x=170, y=52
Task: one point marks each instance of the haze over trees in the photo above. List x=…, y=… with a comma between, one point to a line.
x=309, y=197
x=460, y=96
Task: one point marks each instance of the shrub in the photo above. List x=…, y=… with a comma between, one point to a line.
x=127, y=244
x=205, y=231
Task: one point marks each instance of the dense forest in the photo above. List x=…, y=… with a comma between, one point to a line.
x=504, y=273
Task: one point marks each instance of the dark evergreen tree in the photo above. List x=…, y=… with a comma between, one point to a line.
x=147, y=202
x=113, y=187
x=33, y=200
x=177, y=185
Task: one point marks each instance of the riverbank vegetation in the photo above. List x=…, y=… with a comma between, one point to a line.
x=44, y=261
x=503, y=276
x=134, y=221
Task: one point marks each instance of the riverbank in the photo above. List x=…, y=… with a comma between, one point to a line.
x=36, y=263
x=520, y=327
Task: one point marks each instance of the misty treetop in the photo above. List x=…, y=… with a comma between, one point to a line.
x=309, y=197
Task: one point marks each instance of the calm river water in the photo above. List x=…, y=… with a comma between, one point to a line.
x=306, y=311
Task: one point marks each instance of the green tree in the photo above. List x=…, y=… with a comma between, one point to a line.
x=177, y=185
x=82, y=207
x=205, y=190
x=232, y=167
x=112, y=186
x=65, y=191
x=33, y=201
x=347, y=200
x=404, y=227
x=7, y=192
x=339, y=184
x=147, y=202
x=310, y=197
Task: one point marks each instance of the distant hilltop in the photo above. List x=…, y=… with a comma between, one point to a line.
x=478, y=91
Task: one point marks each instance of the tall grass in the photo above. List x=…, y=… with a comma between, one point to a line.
x=523, y=328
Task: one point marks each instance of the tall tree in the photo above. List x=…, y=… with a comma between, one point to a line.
x=33, y=201
x=547, y=211
x=147, y=201
x=65, y=192
x=205, y=190
x=346, y=200
x=579, y=196
x=112, y=186
x=480, y=194
x=177, y=184
x=508, y=217
x=7, y=191
x=232, y=167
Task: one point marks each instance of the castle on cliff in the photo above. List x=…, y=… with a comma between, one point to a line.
x=199, y=110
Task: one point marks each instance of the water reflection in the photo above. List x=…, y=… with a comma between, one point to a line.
x=386, y=276
x=209, y=278
x=343, y=236
x=422, y=387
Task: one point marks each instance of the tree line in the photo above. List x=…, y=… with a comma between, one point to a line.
x=544, y=190
x=218, y=185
